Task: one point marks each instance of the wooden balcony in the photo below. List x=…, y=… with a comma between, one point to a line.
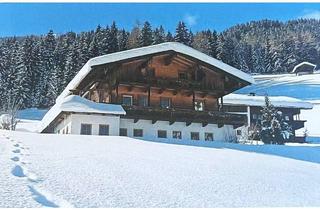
x=184, y=115
x=175, y=84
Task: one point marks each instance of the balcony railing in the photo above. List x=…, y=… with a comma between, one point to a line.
x=184, y=115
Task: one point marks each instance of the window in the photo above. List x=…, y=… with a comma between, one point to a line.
x=239, y=132
x=127, y=100
x=67, y=130
x=195, y=136
x=123, y=132
x=176, y=134
x=137, y=132
x=86, y=129
x=287, y=118
x=143, y=101
x=162, y=134
x=199, y=105
x=103, y=130
x=183, y=75
x=208, y=136
x=151, y=73
x=165, y=103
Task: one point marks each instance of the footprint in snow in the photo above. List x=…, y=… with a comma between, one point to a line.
x=15, y=158
x=18, y=171
x=16, y=151
x=40, y=198
x=16, y=145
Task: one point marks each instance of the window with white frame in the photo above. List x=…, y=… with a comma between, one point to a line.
x=127, y=100
x=208, y=136
x=103, y=130
x=176, y=134
x=199, y=105
x=162, y=134
x=165, y=102
x=137, y=132
x=86, y=129
x=195, y=136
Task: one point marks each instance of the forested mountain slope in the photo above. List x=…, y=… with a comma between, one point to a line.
x=35, y=69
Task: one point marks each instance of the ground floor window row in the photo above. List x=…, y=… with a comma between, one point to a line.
x=164, y=134
x=86, y=129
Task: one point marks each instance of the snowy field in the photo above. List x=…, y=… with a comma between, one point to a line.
x=304, y=87
x=39, y=170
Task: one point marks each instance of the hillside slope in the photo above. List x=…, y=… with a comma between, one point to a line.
x=92, y=171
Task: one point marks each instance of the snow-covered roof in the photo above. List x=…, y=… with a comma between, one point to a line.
x=303, y=63
x=78, y=104
x=164, y=47
x=277, y=101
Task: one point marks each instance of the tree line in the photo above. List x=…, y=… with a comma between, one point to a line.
x=35, y=69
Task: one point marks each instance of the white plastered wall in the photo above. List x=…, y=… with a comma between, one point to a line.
x=112, y=120
x=150, y=131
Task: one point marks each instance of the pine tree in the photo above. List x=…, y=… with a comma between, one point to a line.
x=226, y=50
x=273, y=128
x=268, y=57
x=112, y=40
x=145, y=37
x=48, y=76
x=123, y=40
x=96, y=45
x=213, y=44
x=169, y=37
x=159, y=35
x=182, y=34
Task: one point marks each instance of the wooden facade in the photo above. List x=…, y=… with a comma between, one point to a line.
x=163, y=83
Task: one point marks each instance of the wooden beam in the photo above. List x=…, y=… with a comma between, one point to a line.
x=168, y=60
x=189, y=93
x=175, y=92
x=220, y=125
x=171, y=122
x=149, y=95
x=160, y=91
x=181, y=63
x=135, y=120
x=193, y=99
x=129, y=88
x=117, y=93
x=154, y=121
x=204, y=124
x=188, y=123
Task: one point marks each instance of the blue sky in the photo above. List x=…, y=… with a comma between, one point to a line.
x=37, y=18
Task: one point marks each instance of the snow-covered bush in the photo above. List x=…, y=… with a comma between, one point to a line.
x=5, y=121
x=8, y=122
